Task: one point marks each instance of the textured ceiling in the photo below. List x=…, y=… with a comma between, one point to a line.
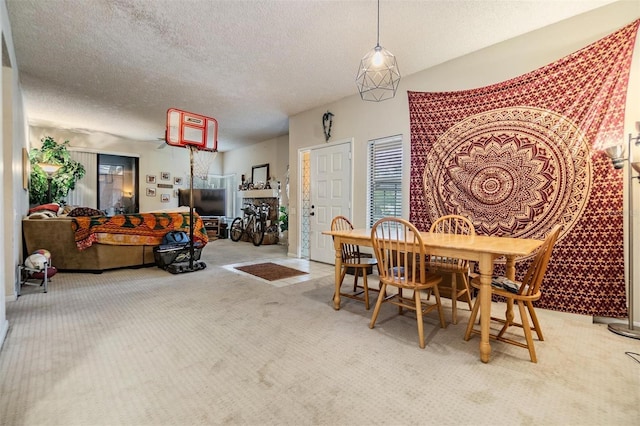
x=116, y=66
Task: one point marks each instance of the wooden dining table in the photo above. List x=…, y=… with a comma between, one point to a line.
x=479, y=248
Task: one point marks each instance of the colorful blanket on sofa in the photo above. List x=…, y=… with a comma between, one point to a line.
x=134, y=229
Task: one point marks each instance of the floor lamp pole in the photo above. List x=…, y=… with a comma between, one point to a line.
x=619, y=328
x=49, y=179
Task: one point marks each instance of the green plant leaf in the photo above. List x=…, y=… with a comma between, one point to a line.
x=283, y=219
x=62, y=181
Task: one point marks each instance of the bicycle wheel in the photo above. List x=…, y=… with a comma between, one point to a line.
x=258, y=232
x=236, y=229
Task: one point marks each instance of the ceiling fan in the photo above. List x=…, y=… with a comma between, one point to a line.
x=164, y=143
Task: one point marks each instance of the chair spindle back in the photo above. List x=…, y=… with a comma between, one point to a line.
x=398, y=247
x=535, y=273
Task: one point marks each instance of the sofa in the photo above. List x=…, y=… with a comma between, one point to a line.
x=97, y=244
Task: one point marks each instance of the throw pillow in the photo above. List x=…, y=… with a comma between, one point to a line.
x=51, y=207
x=66, y=209
x=43, y=214
x=85, y=211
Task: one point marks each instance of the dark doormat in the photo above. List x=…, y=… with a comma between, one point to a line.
x=270, y=271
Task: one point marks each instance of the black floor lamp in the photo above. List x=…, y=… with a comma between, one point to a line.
x=616, y=153
x=50, y=170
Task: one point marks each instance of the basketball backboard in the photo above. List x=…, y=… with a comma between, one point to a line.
x=188, y=129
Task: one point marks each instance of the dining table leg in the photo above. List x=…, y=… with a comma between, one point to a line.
x=338, y=272
x=486, y=270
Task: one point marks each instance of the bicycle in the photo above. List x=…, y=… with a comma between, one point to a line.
x=252, y=223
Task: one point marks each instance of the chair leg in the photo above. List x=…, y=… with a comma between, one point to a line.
x=366, y=288
x=416, y=298
x=356, y=272
x=436, y=293
x=527, y=331
x=467, y=289
x=534, y=319
x=472, y=319
x=376, y=310
x=508, y=315
x=400, y=296
x=343, y=274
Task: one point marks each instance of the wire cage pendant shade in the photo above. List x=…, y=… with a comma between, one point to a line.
x=378, y=74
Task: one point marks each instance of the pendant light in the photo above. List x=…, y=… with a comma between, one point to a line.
x=378, y=74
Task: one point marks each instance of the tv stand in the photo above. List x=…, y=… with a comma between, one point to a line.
x=214, y=226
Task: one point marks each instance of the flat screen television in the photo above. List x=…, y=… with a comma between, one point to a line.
x=206, y=202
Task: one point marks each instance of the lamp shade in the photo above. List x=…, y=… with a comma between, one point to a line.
x=49, y=169
x=378, y=75
x=616, y=154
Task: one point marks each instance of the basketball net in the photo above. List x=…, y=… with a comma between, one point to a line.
x=202, y=161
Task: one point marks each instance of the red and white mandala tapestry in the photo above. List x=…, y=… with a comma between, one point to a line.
x=523, y=155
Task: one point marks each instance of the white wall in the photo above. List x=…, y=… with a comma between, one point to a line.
x=275, y=152
x=14, y=128
x=152, y=160
x=363, y=121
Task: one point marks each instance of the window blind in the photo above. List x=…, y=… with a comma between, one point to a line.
x=85, y=193
x=385, y=178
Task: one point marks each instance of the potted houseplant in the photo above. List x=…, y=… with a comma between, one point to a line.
x=61, y=181
x=283, y=220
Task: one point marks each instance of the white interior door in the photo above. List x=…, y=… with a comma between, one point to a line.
x=330, y=196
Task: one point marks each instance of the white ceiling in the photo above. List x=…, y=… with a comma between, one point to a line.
x=116, y=66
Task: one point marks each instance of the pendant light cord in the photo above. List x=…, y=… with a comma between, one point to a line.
x=378, y=39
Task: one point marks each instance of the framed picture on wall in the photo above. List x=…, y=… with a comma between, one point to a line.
x=151, y=179
x=151, y=192
x=177, y=180
x=164, y=198
x=176, y=193
x=165, y=175
x=26, y=168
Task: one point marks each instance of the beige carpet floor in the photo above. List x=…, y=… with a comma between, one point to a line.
x=144, y=347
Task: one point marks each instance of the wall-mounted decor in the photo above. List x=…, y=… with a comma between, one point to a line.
x=151, y=192
x=151, y=179
x=164, y=198
x=464, y=156
x=165, y=175
x=165, y=185
x=25, y=168
x=260, y=173
x=176, y=193
x=327, y=122
x=177, y=180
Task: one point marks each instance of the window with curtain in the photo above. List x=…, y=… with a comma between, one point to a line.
x=385, y=178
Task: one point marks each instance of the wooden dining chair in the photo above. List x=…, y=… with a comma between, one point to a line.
x=355, y=261
x=524, y=293
x=400, y=251
x=456, y=269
